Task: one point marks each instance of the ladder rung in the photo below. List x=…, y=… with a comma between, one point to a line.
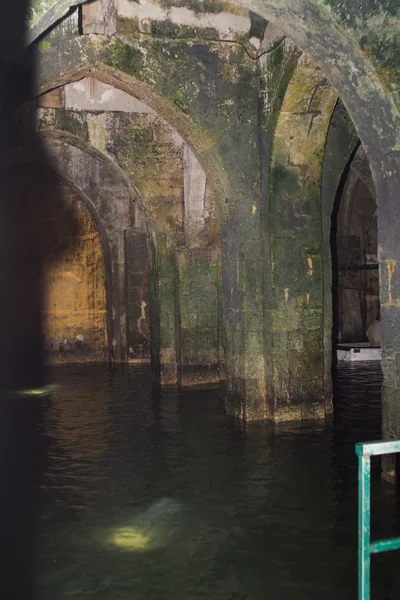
x=385, y=545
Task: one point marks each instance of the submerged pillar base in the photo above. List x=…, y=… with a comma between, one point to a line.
x=243, y=402
x=198, y=375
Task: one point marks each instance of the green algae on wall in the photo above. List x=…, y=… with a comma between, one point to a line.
x=63, y=120
x=277, y=69
x=39, y=8
x=200, y=6
x=376, y=27
x=198, y=316
x=144, y=147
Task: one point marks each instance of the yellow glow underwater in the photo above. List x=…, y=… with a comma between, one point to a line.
x=43, y=391
x=130, y=539
x=155, y=527
x=38, y=392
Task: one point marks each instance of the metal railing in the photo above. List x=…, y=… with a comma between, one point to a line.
x=365, y=546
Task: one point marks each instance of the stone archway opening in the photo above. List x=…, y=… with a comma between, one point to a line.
x=106, y=213
x=355, y=269
x=75, y=323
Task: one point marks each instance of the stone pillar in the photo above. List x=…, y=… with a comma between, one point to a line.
x=243, y=269
x=387, y=182
x=194, y=199
x=294, y=284
x=138, y=303
x=167, y=314
x=120, y=317
x=198, y=315
x=197, y=284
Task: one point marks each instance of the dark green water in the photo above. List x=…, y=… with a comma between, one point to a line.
x=148, y=495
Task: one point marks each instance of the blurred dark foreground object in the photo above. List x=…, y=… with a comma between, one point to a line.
x=23, y=200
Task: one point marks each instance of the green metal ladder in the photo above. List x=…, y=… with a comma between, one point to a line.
x=365, y=546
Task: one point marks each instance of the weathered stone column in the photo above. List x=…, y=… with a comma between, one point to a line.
x=198, y=316
x=21, y=202
x=138, y=302
x=167, y=298
x=242, y=285
x=294, y=299
x=387, y=183
x=197, y=283
x=119, y=295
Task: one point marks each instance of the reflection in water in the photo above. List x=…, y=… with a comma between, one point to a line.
x=159, y=495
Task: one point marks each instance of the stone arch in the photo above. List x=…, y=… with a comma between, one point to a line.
x=354, y=242
x=356, y=170
x=341, y=144
x=345, y=164
x=356, y=81
x=93, y=185
x=196, y=138
x=341, y=59
x=80, y=195
x=376, y=117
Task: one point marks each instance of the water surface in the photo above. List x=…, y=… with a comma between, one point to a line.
x=160, y=495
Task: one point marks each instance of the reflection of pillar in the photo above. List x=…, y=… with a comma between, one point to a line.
x=21, y=470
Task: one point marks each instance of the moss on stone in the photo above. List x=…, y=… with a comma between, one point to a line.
x=169, y=29
x=120, y=56
x=375, y=25
x=314, y=250
x=277, y=70
x=38, y=8
x=145, y=149
x=44, y=45
x=128, y=26
x=64, y=120
x=200, y=6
